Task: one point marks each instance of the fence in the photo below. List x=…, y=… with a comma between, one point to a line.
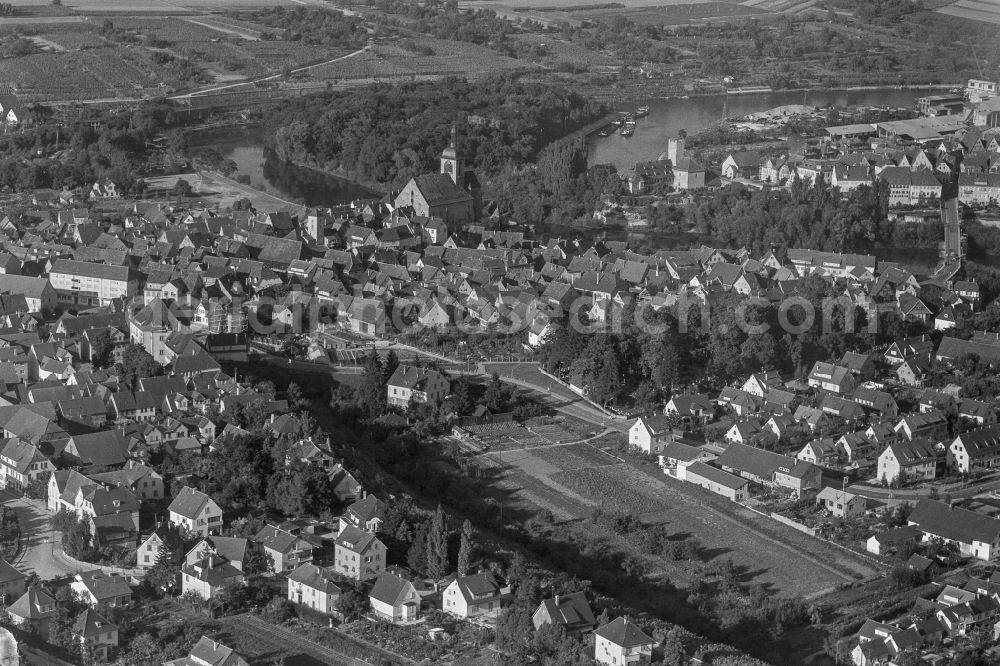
x=794, y=524
x=576, y=391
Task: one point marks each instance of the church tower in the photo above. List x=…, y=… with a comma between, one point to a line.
x=452, y=162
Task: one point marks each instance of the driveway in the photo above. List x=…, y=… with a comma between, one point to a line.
x=41, y=555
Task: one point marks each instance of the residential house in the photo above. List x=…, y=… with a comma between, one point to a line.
x=976, y=535
x=422, y=385
x=677, y=456
x=691, y=408
x=195, y=513
x=208, y=652
x=314, y=587
x=975, y=450
x=620, y=642
x=840, y=503
x=715, y=480
x=13, y=583
x=650, y=434
x=834, y=378
x=102, y=591
x=208, y=576
x=97, y=637
x=366, y=515
x=394, y=598
x=35, y=609
x=905, y=461
x=769, y=468
x=570, y=611
x=285, y=550
x=358, y=555
x=473, y=596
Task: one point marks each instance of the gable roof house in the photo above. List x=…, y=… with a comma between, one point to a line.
x=394, y=598
x=195, y=513
x=908, y=461
x=477, y=595
x=314, y=587
x=769, y=468
x=829, y=377
x=975, y=450
x=208, y=652
x=622, y=642
x=570, y=611
x=975, y=534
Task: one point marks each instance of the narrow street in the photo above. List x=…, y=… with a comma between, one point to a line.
x=40, y=555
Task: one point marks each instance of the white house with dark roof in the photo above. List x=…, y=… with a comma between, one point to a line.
x=620, y=642
x=195, y=513
x=570, y=611
x=207, y=577
x=976, y=535
x=650, y=434
x=314, y=587
x=100, y=590
x=358, y=555
x=394, y=598
x=208, y=652
x=366, y=515
x=285, y=550
x=477, y=595
x=410, y=383
x=975, y=449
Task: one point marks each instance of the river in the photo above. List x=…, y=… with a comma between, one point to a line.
x=667, y=116
x=245, y=146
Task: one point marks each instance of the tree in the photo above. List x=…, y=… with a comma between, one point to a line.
x=352, y=603
x=165, y=573
x=136, y=364
x=181, y=188
x=466, y=548
x=437, y=546
x=416, y=555
x=371, y=392
x=296, y=401
x=101, y=348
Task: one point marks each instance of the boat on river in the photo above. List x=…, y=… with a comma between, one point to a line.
x=628, y=129
x=642, y=112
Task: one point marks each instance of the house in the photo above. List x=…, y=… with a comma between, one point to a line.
x=742, y=431
x=886, y=542
x=760, y=383
x=622, y=642
x=422, y=385
x=713, y=479
x=195, y=513
x=769, y=468
x=285, y=550
x=975, y=534
x=314, y=587
x=907, y=461
x=102, y=591
x=474, y=596
x=742, y=164
x=820, y=452
x=366, y=514
x=650, y=434
x=570, y=611
x=394, y=598
x=677, y=456
x=932, y=424
x=834, y=378
x=975, y=449
x=86, y=284
x=358, y=555
x=21, y=464
x=13, y=583
x=688, y=174
x=207, y=577
x=840, y=503
x=35, y=609
x=691, y=408
x=96, y=635
x=208, y=652
x=876, y=401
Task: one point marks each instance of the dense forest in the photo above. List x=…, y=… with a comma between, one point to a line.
x=388, y=134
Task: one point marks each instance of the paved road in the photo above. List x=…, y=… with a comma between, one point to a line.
x=911, y=494
x=41, y=556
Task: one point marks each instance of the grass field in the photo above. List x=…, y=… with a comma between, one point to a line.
x=572, y=481
x=987, y=11
x=677, y=14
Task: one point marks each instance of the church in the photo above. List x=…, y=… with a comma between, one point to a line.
x=453, y=194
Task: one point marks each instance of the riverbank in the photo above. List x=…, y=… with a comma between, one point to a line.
x=781, y=91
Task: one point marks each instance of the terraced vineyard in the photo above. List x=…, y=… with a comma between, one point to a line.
x=391, y=60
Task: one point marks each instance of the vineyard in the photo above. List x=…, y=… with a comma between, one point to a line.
x=392, y=60
x=677, y=14
x=559, y=51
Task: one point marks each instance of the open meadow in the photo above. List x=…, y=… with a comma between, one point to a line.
x=572, y=481
x=987, y=11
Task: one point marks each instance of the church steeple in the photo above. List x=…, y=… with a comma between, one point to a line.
x=451, y=161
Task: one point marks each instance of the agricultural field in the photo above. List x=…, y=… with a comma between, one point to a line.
x=677, y=14
x=559, y=51
x=573, y=480
x=987, y=11
x=394, y=60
